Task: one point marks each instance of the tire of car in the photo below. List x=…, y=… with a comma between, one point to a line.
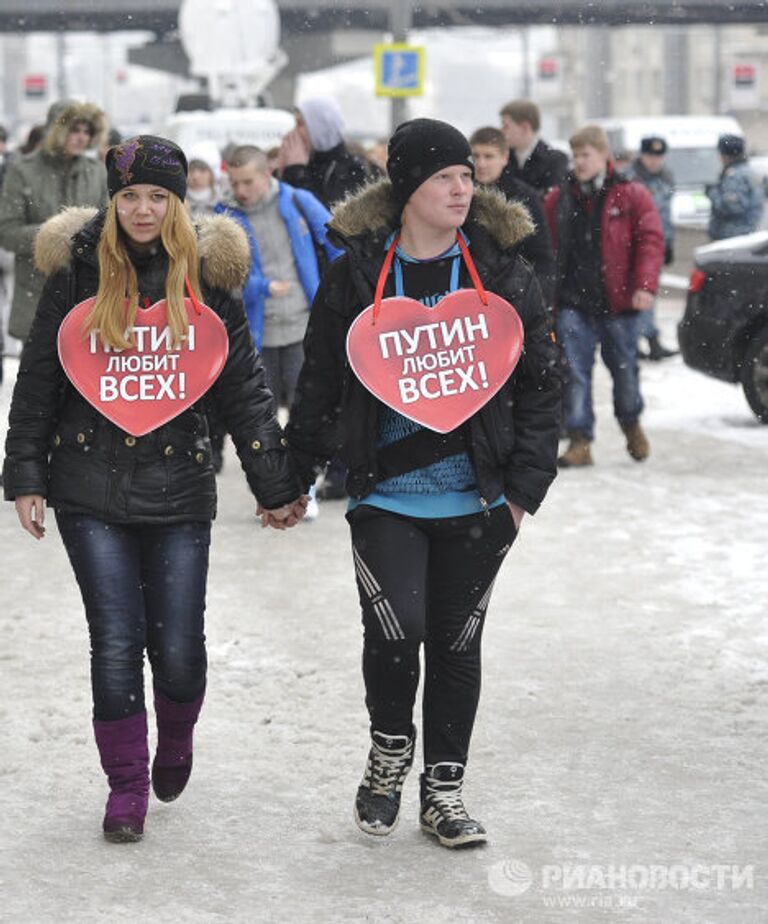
x=754, y=375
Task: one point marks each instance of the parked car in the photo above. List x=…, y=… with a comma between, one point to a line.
x=724, y=331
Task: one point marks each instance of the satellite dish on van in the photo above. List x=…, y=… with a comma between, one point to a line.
x=234, y=44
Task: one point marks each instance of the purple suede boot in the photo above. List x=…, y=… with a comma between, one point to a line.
x=173, y=761
x=124, y=755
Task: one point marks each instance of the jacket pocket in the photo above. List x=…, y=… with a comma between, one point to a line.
x=176, y=479
x=78, y=470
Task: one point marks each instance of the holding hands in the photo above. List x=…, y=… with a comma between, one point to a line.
x=283, y=517
x=31, y=512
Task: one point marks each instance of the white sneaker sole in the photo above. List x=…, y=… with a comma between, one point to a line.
x=463, y=841
x=378, y=830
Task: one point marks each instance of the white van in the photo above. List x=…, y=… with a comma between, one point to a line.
x=263, y=127
x=692, y=155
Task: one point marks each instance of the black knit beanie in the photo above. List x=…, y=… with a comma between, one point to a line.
x=147, y=159
x=420, y=148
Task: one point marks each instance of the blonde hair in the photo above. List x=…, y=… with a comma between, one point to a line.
x=117, y=297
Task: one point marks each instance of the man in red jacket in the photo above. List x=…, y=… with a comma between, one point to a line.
x=610, y=249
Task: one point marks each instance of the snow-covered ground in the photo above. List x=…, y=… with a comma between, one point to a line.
x=619, y=759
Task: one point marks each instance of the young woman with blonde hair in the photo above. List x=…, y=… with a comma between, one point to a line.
x=135, y=511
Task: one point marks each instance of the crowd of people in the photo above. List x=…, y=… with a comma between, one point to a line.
x=281, y=252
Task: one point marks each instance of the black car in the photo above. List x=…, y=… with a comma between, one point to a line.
x=724, y=331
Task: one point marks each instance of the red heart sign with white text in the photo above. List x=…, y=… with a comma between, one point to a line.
x=142, y=388
x=436, y=366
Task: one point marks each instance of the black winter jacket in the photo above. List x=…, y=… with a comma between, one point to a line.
x=545, y=168
x=330, y=175
x=512, y=440
x=62, y=448
x=537, y=247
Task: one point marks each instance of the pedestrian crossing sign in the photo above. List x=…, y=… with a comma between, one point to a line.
x=399, y=69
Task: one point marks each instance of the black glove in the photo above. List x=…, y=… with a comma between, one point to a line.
x=669, y=254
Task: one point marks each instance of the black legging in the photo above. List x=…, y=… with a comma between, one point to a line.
x=423, y=580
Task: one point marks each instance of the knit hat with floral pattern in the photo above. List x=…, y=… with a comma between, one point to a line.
x=147, y=159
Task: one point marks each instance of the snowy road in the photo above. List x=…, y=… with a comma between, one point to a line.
x=619, y=760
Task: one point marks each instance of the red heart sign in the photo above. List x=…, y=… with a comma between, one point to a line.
x=440, y=365
x=144, y=387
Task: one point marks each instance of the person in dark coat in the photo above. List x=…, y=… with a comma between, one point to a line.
x=432, y=515
x=135, y=511
x=531, y=159
x=649, y=169
x=491, y=156
x=737, y=196
x=610, y=249
x=314, y=155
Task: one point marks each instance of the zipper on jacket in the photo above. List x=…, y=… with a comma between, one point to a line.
x=484, y=505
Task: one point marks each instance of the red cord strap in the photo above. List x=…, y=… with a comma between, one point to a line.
x=192, y=297
x=473, y=273
x=387, y=265
x=382, y=280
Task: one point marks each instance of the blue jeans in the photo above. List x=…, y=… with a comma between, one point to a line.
x=579, y=335
x=143, y=588
x=646, y=325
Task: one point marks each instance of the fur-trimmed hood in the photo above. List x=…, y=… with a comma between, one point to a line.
x=373, y=210
x=222, y=245
x=63, y=115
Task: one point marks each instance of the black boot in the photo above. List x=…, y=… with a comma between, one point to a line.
x=442, y=808
x=377, y=806
x=657, y=352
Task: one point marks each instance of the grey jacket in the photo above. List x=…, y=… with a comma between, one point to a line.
x=737, y=202
x=661, y=186
x=39, y=186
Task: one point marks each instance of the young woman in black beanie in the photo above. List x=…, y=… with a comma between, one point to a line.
x=432, y=513
x=134, y=500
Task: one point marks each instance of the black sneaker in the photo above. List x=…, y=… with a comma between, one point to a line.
x=442, y=808
x=377, y=805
